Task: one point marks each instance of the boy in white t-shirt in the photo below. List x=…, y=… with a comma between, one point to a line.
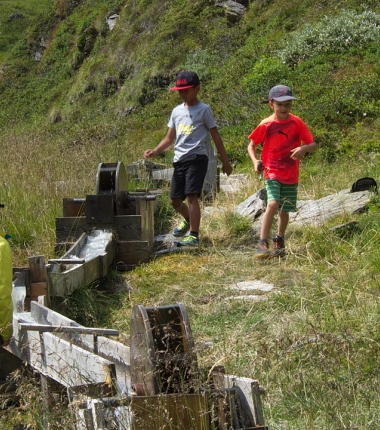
x=190, y=126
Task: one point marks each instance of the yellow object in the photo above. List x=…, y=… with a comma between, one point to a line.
x=6, y=307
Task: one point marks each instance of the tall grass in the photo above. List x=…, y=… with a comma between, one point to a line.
x=313, y=342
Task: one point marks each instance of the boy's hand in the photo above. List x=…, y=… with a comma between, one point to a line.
x=227, y=168
x=149, y=153
x=298, y=153
x=259, y=167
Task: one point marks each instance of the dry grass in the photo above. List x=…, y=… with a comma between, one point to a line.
x=312, y=342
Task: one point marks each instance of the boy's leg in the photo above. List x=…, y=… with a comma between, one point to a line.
x=283, y=221
x=270, y=212
x=195, y=175
x=288, y=204
x=273, y=199
x=181, y=207
x=177, y=195
x=187, y=181
x=194, y=212
x=273, y=189
x=262, y=250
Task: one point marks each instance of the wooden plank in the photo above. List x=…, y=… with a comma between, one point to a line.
x=106, y=260
x=249, y=399
x=70, y=229
x=37, y=274
x=84, y=420
x=65, y=283
x=120, y=355
x=107, y=348
x=38, y=289
x=100, y=209
x=60, y=360
x=50, y=391
x=132, y=252
x=45, y=328
x=73, y=207
x=126, y=227
x=64, y=280
x=145, y=208
x=37, y=269
x=76, y=248
x=67, y=261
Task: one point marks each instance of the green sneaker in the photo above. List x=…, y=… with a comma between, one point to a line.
x=182, y=229
x=189, y=241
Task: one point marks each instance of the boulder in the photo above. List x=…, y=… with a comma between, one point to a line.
x=233, y=10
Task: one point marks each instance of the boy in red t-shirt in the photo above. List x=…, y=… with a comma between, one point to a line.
x=281, y=135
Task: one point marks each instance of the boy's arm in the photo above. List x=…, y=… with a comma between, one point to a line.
x=258, y=164
x=300, y=152
x=164, y=144
x=226, y=166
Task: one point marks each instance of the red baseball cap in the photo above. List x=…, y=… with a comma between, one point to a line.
x=186, y=80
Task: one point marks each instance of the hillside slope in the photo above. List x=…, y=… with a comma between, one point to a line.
x=71, y=67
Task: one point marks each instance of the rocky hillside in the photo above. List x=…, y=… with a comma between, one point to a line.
x=106, y=66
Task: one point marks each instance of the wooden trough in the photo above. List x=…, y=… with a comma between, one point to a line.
x=88, y=259
x=113, y=386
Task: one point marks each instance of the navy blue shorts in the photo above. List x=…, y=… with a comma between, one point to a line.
x=188, y=176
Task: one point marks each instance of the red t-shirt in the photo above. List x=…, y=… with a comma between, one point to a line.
x=279, y=138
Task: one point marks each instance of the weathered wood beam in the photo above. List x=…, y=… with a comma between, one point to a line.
x=59, y=359
x=43, y=328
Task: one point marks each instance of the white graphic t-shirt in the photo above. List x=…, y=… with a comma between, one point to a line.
x=192, y=126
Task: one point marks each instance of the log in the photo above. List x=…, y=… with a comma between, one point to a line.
x=309, y=212
x=316, y=212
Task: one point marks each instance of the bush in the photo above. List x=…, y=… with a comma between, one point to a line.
x=332, y=35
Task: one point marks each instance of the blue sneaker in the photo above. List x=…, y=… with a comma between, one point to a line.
x=182, y=229
x=189, y=241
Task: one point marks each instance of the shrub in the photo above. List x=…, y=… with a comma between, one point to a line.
x=266, y=73
x=332, y=35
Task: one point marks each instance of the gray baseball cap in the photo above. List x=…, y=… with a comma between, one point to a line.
x=281, y=93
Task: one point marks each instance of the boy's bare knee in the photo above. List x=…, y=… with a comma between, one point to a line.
x=273, y=205
x=176, y=203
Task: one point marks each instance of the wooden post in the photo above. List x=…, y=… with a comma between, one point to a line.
x=38, y=280
x=49, y=388
x=145, y=208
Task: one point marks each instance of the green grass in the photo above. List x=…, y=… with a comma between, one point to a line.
x=15, y=17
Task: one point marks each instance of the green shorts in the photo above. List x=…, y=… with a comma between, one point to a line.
x=285, y=194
